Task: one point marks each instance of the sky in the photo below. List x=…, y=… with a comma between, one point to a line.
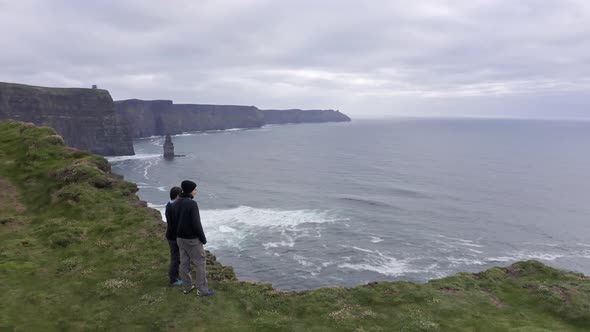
x=372, y=58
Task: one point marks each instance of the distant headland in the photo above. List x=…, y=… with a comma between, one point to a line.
x=89, y=119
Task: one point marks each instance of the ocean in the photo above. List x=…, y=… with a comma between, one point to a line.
x=342, y=204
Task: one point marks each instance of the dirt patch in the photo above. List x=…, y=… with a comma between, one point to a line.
x=512, y=272
x=9, y=198
x=562, y=292
x=447, y=290
x=494, y=299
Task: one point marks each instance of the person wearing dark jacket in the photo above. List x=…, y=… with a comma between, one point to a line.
x=171, y=227
x=190, y=239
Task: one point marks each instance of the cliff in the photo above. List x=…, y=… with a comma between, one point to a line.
x=85, y=118
x=303, y=116
x=88, y=119
x=162, y=117
x=81, y=252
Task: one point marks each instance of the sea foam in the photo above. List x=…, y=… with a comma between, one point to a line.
x=115, y=159
x=228, y=228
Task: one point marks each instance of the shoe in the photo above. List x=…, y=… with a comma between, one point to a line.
x=193, y=287
x=176, y=283
x=208, y=293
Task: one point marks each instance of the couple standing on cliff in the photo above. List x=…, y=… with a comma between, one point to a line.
x=186, y=239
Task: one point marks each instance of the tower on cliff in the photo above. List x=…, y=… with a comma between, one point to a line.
x=168, y=148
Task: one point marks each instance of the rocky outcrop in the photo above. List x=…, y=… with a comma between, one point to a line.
x=303, y=116
x=146, y=118
x=168, y=148
x=85, y=118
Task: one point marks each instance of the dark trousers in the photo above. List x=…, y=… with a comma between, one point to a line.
x=174, y=261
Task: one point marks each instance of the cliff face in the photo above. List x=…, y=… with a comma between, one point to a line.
x=216, y=117
x=162, y=117
x=146, y=118
x=301, y=116
x=85, y=118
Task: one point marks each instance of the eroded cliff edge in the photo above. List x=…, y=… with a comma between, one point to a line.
x=85, y=118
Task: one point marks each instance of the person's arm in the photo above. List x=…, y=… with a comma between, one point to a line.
x=197, y=224
x=168, y=213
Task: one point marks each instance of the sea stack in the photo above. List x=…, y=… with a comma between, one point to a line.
x=168, y=148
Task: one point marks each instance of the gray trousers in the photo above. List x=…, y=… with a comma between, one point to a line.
x=192, y=251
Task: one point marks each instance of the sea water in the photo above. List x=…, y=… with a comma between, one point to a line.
x=312, y=205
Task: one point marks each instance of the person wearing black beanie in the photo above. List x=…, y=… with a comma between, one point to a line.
x=188, y=186
x=191, y=238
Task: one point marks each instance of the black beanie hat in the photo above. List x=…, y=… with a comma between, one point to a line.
x=188, y=186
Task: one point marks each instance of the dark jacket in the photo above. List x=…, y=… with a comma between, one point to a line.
x=189, y=220
x=171, y=221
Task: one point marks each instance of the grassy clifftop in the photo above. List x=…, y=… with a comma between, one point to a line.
x=79, y=251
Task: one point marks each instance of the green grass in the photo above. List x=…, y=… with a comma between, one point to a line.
x=81, y=252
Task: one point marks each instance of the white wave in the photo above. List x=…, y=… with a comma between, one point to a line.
x=543, y=244
x=157, y=141
x=115, y=159
x=326, y=264
x=271, y=218
x=207, y=132
x=471, y=245
x=461, y=242
x=302, y=260
x=464, y=261
x=226, y=229
x=269, y=245
x=229, y=228
x=518, y=256
x=163, y=189
x=148, y=165
x=190, y=134
x=233, y=129
x=540, y=256
x=161, y=208
x=500, y=259
x=382, y=264
x=156, y=206
x=359, y=249
x=147, y=138
x=375, y=239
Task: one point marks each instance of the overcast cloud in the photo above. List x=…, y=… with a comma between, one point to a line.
x=526, y=58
